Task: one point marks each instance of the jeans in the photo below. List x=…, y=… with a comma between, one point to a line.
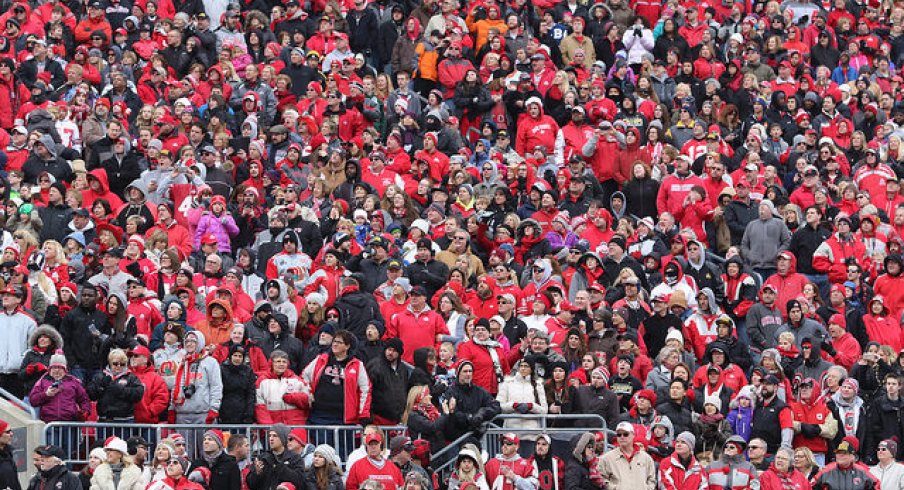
x=346, y=437
x=822, y=281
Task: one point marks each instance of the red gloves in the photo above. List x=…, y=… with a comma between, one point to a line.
x=36, y=368
x=211, y=416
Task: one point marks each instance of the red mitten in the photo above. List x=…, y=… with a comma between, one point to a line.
x=530, y=406
x=40, y=368
x=30, y=369
x=211, y=416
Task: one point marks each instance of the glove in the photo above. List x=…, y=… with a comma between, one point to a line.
x=30, y=369
x=828, y=348
x=809, y=430
x=523, y=408
x=40, y=368
x=211, y=416
x=134, y=269
x=171, y=417
x=365, y=421
x=476, y=421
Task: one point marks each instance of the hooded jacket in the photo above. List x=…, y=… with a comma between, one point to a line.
x=217, y=332
x=891, y=286
x=37, y=360
x=89, y=195
x=356, y=309
x=814, y=424
x=284, y=398
x=239, y=393
x=831, y=257
x=155, y=398
x=389, y=386
x=54, y=164
x=700, y=328
x=537, y=131
x=71, y=404
x=201, y=371
x=577, y=469
x=789, y=286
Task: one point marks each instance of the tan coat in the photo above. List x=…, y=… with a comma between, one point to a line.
x=130, y=478
x=638, y=474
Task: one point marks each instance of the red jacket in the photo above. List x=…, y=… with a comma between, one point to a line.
x=356, y=408
x=847, y=351
x=390, y=476
x=673, y=190
x=416, y=330
x=883, y=329
x=484, y=372
x=789, y=286
x=815, y=412
x=13, y=94
x=892, y=288
x=830, y=258
x=534, y=132
x=497, y=481
x=282, y=398
x=674, y=476
x=156, y=396
x=770, y=480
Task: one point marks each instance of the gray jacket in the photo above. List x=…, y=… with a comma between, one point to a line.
x=763, y=240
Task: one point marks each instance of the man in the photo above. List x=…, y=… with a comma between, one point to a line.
x=389, y=381
x=374, y=467
x=814, y=425
x=804, y=242
x=763, y=239
x=786, y=280
x=418, y=326
x=595, y=398
x=884, y=409
x=9, y=472
x=841, y=250
x=773, y=420
x=339, y=382
x=732, y=470
x=239, y=448
x=550, y=469
x=474, y=405
x=682, y=471
x=846, y=473
x=891, y=285
x=763, y=320
x=356, y=308
x=17, y=327
x=52, y=471
x=426, y=271
x=111, y=274
x=888, y=471
x=625, y=466
x=400, y=449
x=372, y=264
x=508, y=470
x=848, y=409
x=224, y=471
x=56, y=215
x=84, y=329
x=277, y=466
x=44, y=158
x=461, y=247
x=757, y=455
x=741, y=211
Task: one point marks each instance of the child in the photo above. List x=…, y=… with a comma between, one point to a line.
x=790, y=353
x=740, y=418
x=447, y=356
x=713, y=430
x=659, y=438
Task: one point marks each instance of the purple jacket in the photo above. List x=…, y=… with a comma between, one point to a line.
x=66, y=406
x=221, y=229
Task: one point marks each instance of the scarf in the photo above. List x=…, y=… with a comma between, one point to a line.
x=491, y=346
x=426, y=409
x=785, y=478
x=848, y=412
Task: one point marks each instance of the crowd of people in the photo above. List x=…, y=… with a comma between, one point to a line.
x=649, y=215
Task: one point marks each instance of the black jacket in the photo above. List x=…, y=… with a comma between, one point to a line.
x=804, y=241
x=589, y=400
x=577, y=471
x=474, y=406
x=374, y=273
x=224, y=471
x=389, y=387
x=679, y=414
x=884, y=423
x=56, y=222
x=121, y=172
x=287, y=467
x=737, y=216
x=56, y=478
x=82, y=348
x=362, y=29
x=115, y=399
x=288, y=344
x=9, y=473
x=239, y=383
x=356, y=309
x=432, y=275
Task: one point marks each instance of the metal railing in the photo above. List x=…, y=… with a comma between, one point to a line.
x=19, y=403
x=78, y=438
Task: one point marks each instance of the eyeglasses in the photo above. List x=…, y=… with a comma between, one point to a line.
x=173, y=461
x=622, y=434
x=882, y=449
x=19, y=237
x=338, y=341
x=460, y=238
x=853, y=271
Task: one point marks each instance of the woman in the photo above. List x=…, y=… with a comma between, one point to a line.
x=156, y=468
x=239, y=381
x=522, y=393
x=119, y=471
x=125, y=326
x=219, y=222
x=578, y=465
x=325, y=472
x=43, y=342
x=96, y=457
x=468, y=469
x=641, y=192
x=805, y=463
x=423, y=419
x=454, y=313
x=116, y=390
x=239, y=337
x=60, y=395
x=282, y=396
x=781, y=475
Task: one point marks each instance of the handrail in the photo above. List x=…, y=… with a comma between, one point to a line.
x=543, y=418
x=19, y=403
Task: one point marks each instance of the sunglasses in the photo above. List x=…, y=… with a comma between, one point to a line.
x=117, y=364
x=622, y=434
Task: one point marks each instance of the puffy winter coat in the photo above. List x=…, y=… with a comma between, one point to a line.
x=37, y=360
x=284, y=398
x=155, y=398
x=831, y=257
x=770, y=480
x=536, y=131
x=814, y=423
x=674, y=476
x=516, y=392
x=116, y=394
x=357, y=386
x=239, y=393
x=201, y=371
x=129, y=479
x=69, y=405
x=484, y=370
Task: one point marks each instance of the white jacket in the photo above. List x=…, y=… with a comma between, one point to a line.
x=517, y=389
x=890, y=478
x=129, y=479
x=16, y=328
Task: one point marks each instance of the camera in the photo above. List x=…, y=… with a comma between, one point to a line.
x=189, y=391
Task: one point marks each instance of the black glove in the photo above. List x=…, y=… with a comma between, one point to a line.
x=134, y=269
x=809, y=430
x=522, y=408
x=828, y=348
x=476, y=421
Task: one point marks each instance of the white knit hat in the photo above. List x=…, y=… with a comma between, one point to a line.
x=58, y=359
x=116, y=444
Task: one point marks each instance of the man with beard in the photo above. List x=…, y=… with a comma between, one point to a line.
x=224, y=471
x=550, y=470
x=772, y=413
